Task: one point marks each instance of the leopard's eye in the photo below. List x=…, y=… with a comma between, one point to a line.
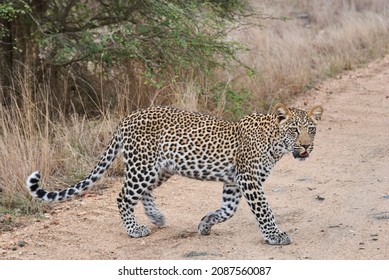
x=294, y=129
x=312, y=130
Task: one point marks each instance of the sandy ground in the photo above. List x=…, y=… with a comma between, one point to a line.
x=335, y=205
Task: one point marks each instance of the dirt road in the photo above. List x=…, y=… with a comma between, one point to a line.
x=335, y=205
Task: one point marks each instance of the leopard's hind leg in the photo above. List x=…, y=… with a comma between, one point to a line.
x=150, y=207
x=139, y=185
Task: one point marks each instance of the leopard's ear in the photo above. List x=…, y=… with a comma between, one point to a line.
x=282, y=113
x=315, y=113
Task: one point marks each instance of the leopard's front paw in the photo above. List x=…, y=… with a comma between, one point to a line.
x=204, y=228
x=278, y=238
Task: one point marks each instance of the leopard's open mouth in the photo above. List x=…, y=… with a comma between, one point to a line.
x=299, y=155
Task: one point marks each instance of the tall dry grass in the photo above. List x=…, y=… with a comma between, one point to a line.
x=316, y=39
x=305, y=41
x=32, y=138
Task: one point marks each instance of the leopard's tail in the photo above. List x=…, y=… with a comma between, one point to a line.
x=32, y=182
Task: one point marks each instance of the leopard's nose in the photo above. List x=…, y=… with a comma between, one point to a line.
x=305, y=147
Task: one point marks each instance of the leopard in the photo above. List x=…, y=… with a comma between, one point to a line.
x=159, y=142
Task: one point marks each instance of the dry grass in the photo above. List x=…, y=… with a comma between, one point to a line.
x=318, y=39
x=63, y=150
x=311, y=41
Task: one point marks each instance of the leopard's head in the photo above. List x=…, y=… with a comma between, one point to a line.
x=298, y=128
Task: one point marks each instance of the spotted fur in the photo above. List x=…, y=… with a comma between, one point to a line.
x=159, y=142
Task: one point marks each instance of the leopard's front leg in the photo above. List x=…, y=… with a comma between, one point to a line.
x=255, y=197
